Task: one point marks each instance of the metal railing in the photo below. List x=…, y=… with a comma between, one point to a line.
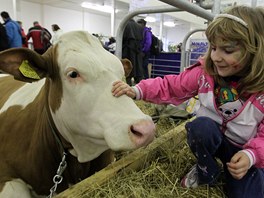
x=170, y=63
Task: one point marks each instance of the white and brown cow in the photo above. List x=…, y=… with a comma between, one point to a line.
x=67, y=107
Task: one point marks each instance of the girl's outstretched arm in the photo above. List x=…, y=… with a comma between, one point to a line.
x=120, y=88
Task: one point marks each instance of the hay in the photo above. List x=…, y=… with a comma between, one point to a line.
x=161, y=175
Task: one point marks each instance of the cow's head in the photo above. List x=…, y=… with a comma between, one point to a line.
x=79, y=74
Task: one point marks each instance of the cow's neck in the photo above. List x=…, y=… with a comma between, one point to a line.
x=75, y=171
x=54, y=131
x=64, y=145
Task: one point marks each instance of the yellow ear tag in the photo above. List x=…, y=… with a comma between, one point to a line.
x=27, y=71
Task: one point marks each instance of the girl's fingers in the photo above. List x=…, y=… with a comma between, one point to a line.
x=120, y=88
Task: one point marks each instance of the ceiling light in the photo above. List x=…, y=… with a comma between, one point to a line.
x=169, y=23
x=101, y=8
x=150, y=19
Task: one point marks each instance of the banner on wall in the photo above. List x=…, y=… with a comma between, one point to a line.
x=135, y=4
x=198, y=47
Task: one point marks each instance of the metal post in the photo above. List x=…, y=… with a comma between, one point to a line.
x=14, y=10
x=183, y=48
x=191, y=8
x=216, y=7
x=113, y=18
x=253, y=3
x=83, y=18
x=161, y=27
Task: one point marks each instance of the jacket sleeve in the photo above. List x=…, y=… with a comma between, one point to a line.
x=171, y=89
x=29, y=34
x=9, y=32
x=147, y=41
x=255, y=147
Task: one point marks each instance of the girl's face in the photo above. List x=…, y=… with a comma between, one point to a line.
x=226, y=56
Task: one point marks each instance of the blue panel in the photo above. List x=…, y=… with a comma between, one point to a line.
x=165, y=63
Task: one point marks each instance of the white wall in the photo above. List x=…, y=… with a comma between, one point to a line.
x=6, y=6
x=177, y=33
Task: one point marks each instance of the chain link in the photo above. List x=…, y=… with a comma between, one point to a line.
x=57, y=179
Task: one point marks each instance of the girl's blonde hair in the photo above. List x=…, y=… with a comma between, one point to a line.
x=251, y=40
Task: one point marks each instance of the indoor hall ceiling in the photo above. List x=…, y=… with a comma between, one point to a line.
x=122, y=6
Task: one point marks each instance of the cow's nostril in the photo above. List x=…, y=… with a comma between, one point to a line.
x=142, y=132
x=135, y=132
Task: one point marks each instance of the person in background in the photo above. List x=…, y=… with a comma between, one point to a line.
x=12, y=31
x=3, y=38
x=132, y=38
x=111, y=45
x=40, y=38
x=229, y=124
x=178, y=48
x=146, y=44
x=24, y=36
x=57, y=33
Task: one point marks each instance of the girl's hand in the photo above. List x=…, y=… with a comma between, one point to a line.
x=120, y=88
x=238, y=165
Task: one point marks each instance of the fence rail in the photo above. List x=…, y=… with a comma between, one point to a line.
x=170, y=63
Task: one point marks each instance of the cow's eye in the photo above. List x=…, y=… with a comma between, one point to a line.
x=73, y=74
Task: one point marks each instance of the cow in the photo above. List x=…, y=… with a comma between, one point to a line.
x=58, y=116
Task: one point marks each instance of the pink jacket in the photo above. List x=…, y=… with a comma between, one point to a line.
x=245, y=129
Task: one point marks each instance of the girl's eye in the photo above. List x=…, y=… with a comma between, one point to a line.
x=228, y=51
x=73, y=74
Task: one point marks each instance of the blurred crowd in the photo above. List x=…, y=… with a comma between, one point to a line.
x=12, y=35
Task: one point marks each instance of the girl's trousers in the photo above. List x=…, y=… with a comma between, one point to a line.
x=207, y=143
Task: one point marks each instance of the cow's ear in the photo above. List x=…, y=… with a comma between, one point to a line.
x=127, y=66
x=24, y=64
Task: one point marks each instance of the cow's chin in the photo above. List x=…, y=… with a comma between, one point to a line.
x=85, y=150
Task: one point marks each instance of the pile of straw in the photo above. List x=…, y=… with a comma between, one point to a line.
x=161, y=175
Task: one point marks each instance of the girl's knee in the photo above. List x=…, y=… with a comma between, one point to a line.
x=203, y=121
x=204, y=129
x=200, y=125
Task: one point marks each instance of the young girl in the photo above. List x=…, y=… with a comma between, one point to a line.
x=229, y=81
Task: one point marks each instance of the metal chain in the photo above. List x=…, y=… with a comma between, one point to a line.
x=57, y=179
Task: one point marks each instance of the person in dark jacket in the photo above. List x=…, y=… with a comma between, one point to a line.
x=132, y=38
x=12, y=30
x=3, y=38
x=40, y=37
